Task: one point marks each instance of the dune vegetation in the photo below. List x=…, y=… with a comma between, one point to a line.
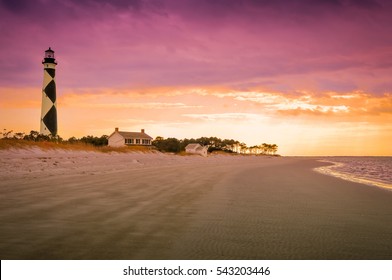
x=9, y=139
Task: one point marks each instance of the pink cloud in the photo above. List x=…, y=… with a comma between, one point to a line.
x=187, y=43
x=275, y=65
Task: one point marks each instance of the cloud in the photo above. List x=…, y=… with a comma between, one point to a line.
x=303, y=108
x=349, y=104
x=132, y=121
x=145, y=105
x=226, y=116
x=289, y=45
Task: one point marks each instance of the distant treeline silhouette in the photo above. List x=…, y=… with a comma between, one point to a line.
x=172, y=145
x=175, y=145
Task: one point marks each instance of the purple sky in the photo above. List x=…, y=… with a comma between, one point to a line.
x=285, y=72
x=330, y=45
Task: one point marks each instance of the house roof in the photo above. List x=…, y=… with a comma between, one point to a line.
x=139, y=135
x=193, y=146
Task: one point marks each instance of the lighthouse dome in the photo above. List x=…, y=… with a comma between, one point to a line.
x=49, y=57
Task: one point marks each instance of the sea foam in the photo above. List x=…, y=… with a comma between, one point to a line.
x=374, y=171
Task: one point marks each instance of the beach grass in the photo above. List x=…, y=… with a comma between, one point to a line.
x=77, y=146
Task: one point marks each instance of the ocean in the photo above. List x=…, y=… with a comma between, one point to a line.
x=374, y=171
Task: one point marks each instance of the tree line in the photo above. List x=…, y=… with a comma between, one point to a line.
x=172, y=145
x=175, y=145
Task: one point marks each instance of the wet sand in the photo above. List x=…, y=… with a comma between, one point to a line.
x=154, y=206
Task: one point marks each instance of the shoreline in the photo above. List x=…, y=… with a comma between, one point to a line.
x=330, y=170
x=75, y=205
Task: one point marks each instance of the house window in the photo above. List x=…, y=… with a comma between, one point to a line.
x=146, y=142
x=128, y=141
x=137, y=141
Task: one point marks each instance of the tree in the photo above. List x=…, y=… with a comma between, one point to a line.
x=243, y=148
x=229, y=145
x=268, y=148
x=172, y=145
x=19, y=135
x=254, y=150
x=274, y=148
x=72, y=140
x=33, y=136
x=96, y=141
x=6, y=134
x=264, y=148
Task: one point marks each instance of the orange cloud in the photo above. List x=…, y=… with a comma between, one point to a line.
x=328, y=123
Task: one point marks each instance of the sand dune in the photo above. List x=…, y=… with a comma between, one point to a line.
x=86, y=205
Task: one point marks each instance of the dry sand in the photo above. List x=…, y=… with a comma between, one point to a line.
x=86, y=205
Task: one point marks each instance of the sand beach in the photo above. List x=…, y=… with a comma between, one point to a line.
x=58, y=204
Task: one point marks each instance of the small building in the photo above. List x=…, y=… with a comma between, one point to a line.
x=123, y=138
x=196, y=148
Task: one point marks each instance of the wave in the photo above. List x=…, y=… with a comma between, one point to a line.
x=370, y=171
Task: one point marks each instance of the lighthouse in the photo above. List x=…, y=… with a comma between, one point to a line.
x=49, y=107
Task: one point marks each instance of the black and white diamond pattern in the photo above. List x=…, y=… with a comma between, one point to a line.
x=49, y=110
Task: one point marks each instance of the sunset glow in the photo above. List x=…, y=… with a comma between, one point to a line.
x=314, y=77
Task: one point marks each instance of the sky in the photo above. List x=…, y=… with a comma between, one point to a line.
x=313, y=77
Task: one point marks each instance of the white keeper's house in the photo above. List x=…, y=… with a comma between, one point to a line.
x=124, y=138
